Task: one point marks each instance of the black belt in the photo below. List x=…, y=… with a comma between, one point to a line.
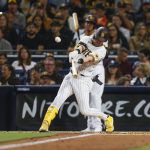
x=95, y=79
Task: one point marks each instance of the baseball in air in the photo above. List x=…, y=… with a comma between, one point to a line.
x=57, y=39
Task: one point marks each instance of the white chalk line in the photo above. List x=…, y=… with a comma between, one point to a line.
x=10, y=146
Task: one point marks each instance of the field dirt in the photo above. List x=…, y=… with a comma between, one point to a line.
x=100, y=141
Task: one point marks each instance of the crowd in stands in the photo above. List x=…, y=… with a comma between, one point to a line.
x=29, y=27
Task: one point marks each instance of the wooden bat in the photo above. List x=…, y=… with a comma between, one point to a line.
x=76, y=23
x=74, y=70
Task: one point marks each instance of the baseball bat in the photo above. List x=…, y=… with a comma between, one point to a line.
x=74, y=70
x=76, y=23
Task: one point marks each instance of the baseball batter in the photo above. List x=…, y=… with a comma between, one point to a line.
x=86, y=62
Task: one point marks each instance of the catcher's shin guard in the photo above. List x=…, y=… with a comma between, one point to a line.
x=49, y=116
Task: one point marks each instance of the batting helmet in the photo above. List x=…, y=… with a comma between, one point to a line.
x=90, y=18
x=101, y=34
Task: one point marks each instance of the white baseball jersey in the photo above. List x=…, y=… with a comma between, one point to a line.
x=82, y=85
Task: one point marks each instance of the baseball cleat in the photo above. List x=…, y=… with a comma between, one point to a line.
x=49, y=116
x=44, y=127
x=86, y=130
x=109, y=123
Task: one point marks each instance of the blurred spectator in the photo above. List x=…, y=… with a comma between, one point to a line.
x=67, y=17
x=2, y=5
x=13, y=6
x=40, y=9
x=4, y=44
x=123, y=81
x=49, y=65
x=40, y=64
x=58, y=30
x=112, y=73
x=147, y=20
x=125, y=65
x=124, y=12
x=39, y=23
x=117, y=20
x=78, y=7
x=24, y=61
x=31, y=39
x=51, y=10
x=25, y=6
x=102, y=19
x=34, y=77
x=3, y=59
x=141, y=39
x=147, y=83
x=116, y=39
x=144, y=8
x=45, y=79
x=143, y=56
x=140, y=75
x=10, y=32
x=8, y=76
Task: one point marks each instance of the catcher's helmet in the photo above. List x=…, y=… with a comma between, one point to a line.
x=101, y=34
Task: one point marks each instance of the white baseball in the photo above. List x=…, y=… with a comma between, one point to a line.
x=57, y=39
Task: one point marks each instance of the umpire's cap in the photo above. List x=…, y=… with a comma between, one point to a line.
x=101, y=34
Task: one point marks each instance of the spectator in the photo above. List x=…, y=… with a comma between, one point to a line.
x=34, y=77
x=4, y=44
x=123, y=81
x=24, y=61
x=8, y=76
x=123, y=12
x=140, y=75
x=50, y=67
x=45, y=79
x=117, y=20
x=147, y=83
x=39, y=23
x=31, y=40
x=147, y=20
x=116, y=39
x=37, y=8
x=125, y=65
x=56, y=30
x=13, y=9
x=112, y=73
x=3, y=59
x=101, y=16
x=143, y=56
x=10, y=32
x=140, y=40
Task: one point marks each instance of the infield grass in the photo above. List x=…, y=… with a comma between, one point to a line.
x=143, y=148
x=13, y=135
